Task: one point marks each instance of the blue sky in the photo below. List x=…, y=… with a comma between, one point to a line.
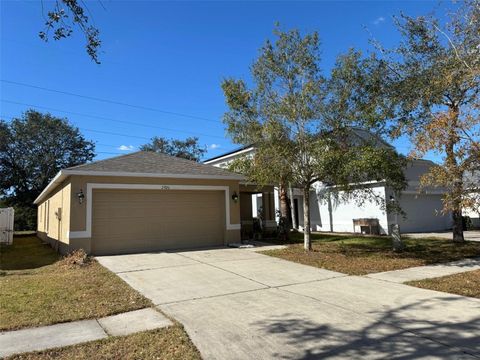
x=169, y=57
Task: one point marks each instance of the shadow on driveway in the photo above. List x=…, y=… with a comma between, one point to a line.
x=390, y=336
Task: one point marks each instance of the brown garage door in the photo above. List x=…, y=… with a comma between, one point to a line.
x=125, y=221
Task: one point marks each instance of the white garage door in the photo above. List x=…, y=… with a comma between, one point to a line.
x=423, y=213
x=125, y=221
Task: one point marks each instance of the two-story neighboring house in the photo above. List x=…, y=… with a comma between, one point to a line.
x=472, y=183
x=423, y=210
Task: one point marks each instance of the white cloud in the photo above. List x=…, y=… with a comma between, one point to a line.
x=214, y=146
x=126, y=147
x=378, y=20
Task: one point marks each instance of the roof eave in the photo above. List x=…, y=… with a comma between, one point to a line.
x=58, y=179
x=153, y=175
x=229, y=154
x=63, y=174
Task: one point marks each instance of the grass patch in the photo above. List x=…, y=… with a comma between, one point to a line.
x=37, y=288
x=356, y=255
x=466, y=284
x=170, y=343
x=24, y=233
x=26, y=253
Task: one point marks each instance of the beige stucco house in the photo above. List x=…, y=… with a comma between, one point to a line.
x=143, y=201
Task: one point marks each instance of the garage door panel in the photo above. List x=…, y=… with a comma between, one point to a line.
x=424, y=213
x=133, y=220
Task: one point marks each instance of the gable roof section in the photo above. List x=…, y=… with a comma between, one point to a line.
x=149, y=162
x=230, y=154
x=143, y=164
x=356, y=135
x=365, y=135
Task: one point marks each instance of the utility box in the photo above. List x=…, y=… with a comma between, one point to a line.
x=366, y=226
x=6, y=225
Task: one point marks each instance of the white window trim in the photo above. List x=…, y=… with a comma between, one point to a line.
x=89, y=201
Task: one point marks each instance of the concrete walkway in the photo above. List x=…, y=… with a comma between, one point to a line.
x=427, y=272
x=59, y=335
x=239, y=304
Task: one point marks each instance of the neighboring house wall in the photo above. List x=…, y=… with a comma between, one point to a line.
x=316, y=220
x=225, y=160
x=415, y=169
x=423, y=209
x=423, y=213
x=337, y=215
x=474, y=217
x=53, y=222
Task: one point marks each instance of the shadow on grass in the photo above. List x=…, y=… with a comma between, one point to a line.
x=405, y=332
x=432, y=250
x=356, y=255
x=297, y=238
x=26, y=252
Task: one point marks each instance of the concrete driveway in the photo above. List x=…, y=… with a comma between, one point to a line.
x=238, y=304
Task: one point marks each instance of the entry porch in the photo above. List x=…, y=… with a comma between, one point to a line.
x=257, y=210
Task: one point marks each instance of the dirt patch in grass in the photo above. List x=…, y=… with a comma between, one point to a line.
x=466, y=284
x=170, y=343
x=356, y=255
x=45, y=290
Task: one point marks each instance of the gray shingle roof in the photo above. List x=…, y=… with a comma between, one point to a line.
x=356, y=135
x=148, y=162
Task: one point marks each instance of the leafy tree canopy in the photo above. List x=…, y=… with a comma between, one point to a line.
x=428, y=87
x=63, y=17
x=33, y=148
x=300, y=137
x=187, y=149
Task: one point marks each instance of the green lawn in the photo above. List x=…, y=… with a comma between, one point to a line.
x=26, y=253
x=357, y=255
x=39, y=288
x=466, y=284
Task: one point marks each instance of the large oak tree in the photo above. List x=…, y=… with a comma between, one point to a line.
x=33, y=148
x=188, y=149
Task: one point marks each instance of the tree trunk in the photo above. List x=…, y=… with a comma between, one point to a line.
x=284, y=208
x=397, y=238
x=457, y=191
x=457, y=227
x=284, y=223
x=292, y=207
x=306, y=218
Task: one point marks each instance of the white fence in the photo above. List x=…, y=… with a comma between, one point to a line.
x=6, y=226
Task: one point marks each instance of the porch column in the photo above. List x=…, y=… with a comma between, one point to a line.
x=246, y=218
x=269, y=210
